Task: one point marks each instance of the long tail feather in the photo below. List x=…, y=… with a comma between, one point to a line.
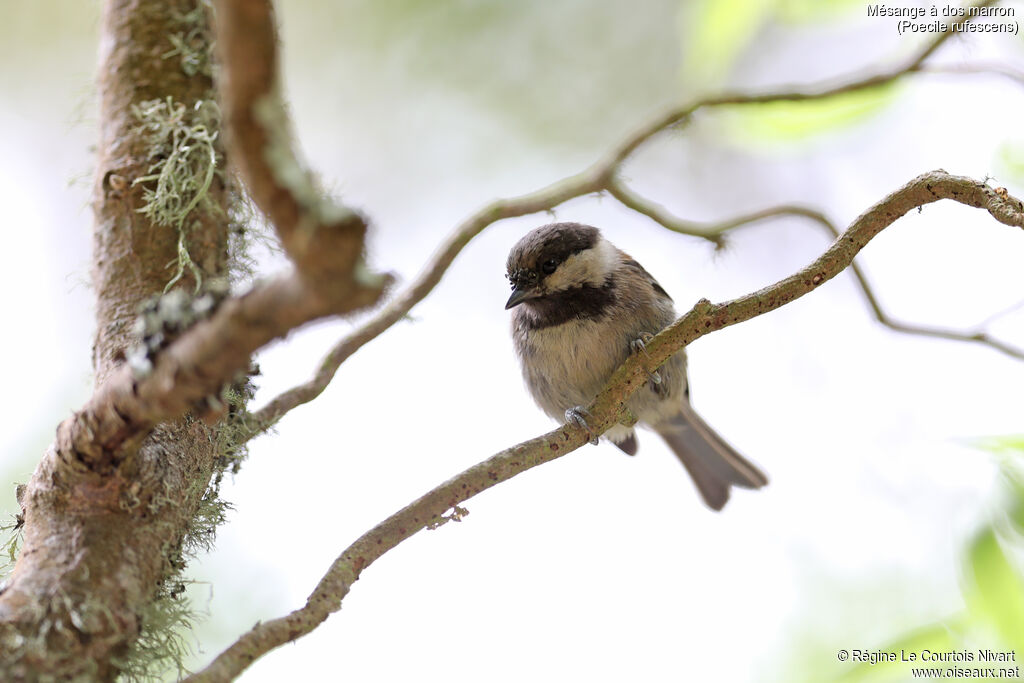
x=714, y=465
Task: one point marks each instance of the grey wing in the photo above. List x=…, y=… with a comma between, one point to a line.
x=633, y=264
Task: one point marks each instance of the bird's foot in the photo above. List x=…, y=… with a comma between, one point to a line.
x=577, y=416
x=640, y=346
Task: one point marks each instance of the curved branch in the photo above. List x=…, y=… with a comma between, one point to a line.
x=977, y=68
x=585, y=183
x=597, y=178
x=813, y=92
x=124, y=409
x=604, y=412
x=324, y=239
x=715, y=232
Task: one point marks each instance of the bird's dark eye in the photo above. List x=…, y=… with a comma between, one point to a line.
x=549, y=266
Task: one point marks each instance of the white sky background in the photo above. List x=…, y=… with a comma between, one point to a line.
x=596, y=567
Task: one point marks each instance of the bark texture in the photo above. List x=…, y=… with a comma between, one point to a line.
x=100, y=536
x=131, y=255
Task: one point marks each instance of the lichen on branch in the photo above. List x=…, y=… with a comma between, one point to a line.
x=184, y=158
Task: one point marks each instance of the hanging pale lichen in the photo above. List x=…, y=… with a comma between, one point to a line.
x=191, y=43
x=182, y=149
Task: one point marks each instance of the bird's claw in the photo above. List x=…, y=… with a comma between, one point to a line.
x=640, y=346
x=576, y=416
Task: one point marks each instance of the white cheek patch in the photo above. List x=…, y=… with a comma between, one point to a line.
x=590, y=266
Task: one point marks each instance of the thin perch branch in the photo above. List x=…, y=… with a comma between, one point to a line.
x=715, y=232
x=397, y=308
x=996, y=69
x=604, y=412
x=597, y=178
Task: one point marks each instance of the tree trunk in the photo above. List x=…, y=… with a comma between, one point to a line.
x=100, y=538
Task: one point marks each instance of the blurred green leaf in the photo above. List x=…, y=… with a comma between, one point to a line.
x=1011, y=444
x=795, y=11
x=1011, y=450
x=790, y=121
x=714, y=33
x=992, y=590
x=995, y=592
x=1015, y=507
x=1010, y=161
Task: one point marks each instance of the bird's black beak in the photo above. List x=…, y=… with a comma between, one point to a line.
x=519, y=295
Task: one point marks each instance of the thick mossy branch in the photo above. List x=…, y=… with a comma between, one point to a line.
x=167, y=623
x=98, y=580
x=125, y=408
x=163, y=645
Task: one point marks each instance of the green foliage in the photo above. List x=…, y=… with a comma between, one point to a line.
x=1011, y=161
x=992, y=589
x=1009, y=447
x=798, y=11
x=789, y=122
x=715, y=33
x=991, y=616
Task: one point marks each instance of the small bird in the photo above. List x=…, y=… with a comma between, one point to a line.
x=580, y=307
